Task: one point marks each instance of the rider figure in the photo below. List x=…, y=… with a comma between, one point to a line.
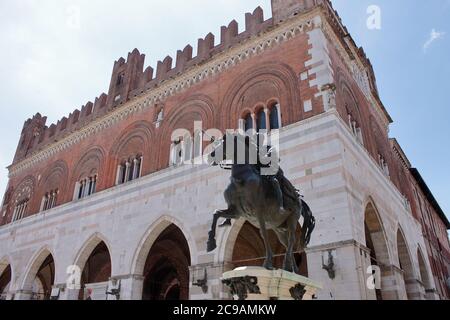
x=272, y=155
x=271, y=178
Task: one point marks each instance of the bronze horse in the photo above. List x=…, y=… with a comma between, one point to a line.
x=267, y=202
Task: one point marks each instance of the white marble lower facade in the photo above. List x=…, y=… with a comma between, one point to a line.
x=342, y=184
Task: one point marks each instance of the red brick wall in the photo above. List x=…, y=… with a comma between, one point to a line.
x=218, y=101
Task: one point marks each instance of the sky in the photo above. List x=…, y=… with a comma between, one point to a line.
x=58, y=55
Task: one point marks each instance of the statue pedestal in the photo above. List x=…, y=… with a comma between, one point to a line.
x=255, y=283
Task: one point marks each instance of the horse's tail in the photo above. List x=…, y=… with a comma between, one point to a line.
x=309, y=223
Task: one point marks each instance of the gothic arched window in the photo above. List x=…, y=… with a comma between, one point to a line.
x=248, y=122
x=261, y=120
x=275, y=117
x=49, y=200
x=130, y=169
x=87, y=186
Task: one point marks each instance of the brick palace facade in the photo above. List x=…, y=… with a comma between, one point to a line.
x=102, y=192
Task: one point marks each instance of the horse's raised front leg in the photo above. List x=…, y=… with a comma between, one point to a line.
x=227, y=214
x=268, y=262
x=226, y=223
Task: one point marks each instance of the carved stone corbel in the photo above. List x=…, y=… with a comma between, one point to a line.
x=242, y=286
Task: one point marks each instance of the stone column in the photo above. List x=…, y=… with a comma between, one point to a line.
x=66, y=293
x=23, y=295
x=76, y=191
x=266, y=112
x=131, y=287
x=9, y=295
x=215, y=289
x=341, y=269
x=414, y=289
x=135, y=168
x=255, y=125
x=69, y=294
x=127, y=171
x=55, y=194
x=141, y=165
x=431, y=294
x=86, y=187
x=391, y=277
x=43, y=203
x=280, y=124
x=119, y=174
x=241, y=124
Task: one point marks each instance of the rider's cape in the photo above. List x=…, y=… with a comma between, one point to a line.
x=291, y=196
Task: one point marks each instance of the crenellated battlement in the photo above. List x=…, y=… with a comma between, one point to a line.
x=113, y=167
x=129, y=78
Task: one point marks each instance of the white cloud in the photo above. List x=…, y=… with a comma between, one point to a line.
x=434, y=35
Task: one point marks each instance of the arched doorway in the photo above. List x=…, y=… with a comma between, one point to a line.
x=424, y=275
x=249, y=250
x=405, y=265
x=96, y=274
x=5, y=281
x=166, y=271
x=44, y=280
x=376, y=243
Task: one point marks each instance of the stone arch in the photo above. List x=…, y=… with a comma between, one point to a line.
x=399, y=175
x=135, y=140
x=194, y=108
x=405, y=264
x=424, y=272
x=95, y=263
x=90, y=164
x=351, y=103
x=6, y=276
x=344, y=90
x=29, y=180
x=54, y=178
x=348, y=107
x=32, y=274
x=258, y=107
x=150, y=237
x=87, y=248
x=270, y=81
x=25, y=190
x=376, y=241
x=380, y=140
x=349, y=98
x=4, y=263
x=245, y=112
x=228, y=241
x=245, y=247
x=57, y=171
x=163, y=259
x=348, y=104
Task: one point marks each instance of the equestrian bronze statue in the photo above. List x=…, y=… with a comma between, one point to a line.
x=267, y=201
